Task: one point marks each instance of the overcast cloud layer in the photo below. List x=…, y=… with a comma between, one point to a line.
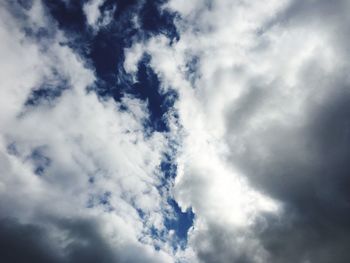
x=175, y=131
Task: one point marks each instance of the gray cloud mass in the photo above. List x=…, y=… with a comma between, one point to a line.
x=261, y=121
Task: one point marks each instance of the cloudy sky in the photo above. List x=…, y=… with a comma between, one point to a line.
x=155, y=131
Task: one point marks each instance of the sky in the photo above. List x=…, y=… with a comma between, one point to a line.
x=174, y=131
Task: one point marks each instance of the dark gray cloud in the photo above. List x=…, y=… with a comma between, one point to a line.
x=32, y=242
x=306, y=164
x=62, y=241
x=315, y=224
x=20, y=243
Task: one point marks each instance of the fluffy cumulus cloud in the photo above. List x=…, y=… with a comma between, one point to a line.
x=94, y=17
x=76, y=169
x=263, y=95
x=175, y=131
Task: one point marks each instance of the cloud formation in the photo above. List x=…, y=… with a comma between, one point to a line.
x=263, y=95
x=237, y=111
x=77, y=171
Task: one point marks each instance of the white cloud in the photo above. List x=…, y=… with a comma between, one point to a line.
x=249, y=94
x=94, y=17
x=92, y=11
x=91, y=149
x=259, y=85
